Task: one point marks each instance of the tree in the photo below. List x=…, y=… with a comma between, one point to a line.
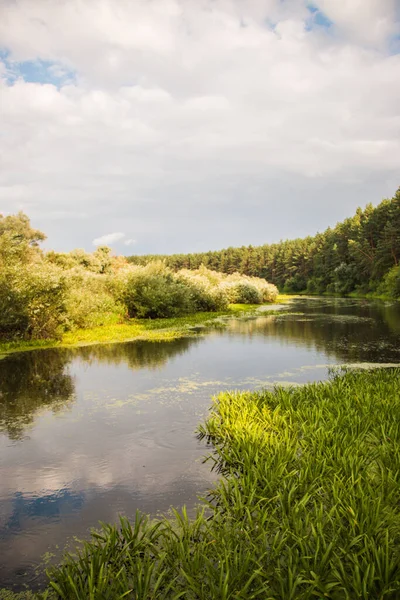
x=19, y=242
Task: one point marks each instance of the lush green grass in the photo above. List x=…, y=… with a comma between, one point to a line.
x=27, y=595
x=373, y=296
x=368, y=296
x=8, y=595
x=308, y=506
x=134, y=329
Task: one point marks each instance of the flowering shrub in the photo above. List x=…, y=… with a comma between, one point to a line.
x=42, y=295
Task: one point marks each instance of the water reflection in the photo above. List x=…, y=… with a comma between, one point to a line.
x=152, y=355
x=30, y=382
x=344, y=329
x=89, y=433
x=50, y=507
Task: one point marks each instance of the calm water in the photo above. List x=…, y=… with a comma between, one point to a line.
x=90, y=433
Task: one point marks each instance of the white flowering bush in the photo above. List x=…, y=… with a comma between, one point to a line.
x=42, y=295
x=241, y=292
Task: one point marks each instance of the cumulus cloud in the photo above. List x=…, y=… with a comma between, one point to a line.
x=109, y=238
x=371, y=21
x=129, y=242
x=197, y=124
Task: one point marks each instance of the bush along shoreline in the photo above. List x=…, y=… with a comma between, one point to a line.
x=308, y=506
x=47, y=295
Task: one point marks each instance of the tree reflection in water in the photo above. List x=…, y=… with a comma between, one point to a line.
x=37, y=380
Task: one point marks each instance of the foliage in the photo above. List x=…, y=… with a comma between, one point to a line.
x=90, y=302
x=308, y=506
x=31, y=301
x=6, y=594
x=343, y=277
x=100, y=261
x=390, y=285
x=234, y=288
x=353, y=256
x=18, y=241
x=13, y=317
x=239, y=292
x=206, y=291
x=27, y=595
x=44, y=295
x=153, y=291
x=43, y=291
x=152, y=330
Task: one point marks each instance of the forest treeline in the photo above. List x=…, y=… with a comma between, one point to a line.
x=360, y=254
x=45, y=294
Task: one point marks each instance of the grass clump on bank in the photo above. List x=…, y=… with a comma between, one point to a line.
x=308, y=506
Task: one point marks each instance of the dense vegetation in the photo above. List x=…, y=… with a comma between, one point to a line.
x=43, y=295
x=361, y=255
x=308, y=506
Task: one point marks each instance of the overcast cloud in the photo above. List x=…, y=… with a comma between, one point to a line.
x=190, y=125
x=108, y=239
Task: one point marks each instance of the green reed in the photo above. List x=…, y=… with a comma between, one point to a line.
x=307, y=507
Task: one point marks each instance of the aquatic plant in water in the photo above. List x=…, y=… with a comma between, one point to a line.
x=308, y=505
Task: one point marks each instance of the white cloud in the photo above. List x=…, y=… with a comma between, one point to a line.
x=109, y=238
x=371, y=21
x=130, y=242
x=180, y=111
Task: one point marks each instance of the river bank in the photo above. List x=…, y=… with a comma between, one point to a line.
x=155, y=330
x=307, y=505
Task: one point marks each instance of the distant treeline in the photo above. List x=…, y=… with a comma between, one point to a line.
x=361, y=254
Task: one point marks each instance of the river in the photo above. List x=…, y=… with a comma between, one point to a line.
x=89, y=433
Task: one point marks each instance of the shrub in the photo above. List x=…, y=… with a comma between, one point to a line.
x=345, y=278
x=41, y=295
x=294, y=284
x=242, y=292
x=243, y=289
x=207, y=295
x=90, y=303
x=44, y=290
x=315, y=285
x=32, y=301
x=153, y=291
x=268, y=291
x=390, y=285
x=13, y=315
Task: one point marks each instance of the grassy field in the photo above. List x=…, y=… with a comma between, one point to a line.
x=307, y=507
x=135, y=329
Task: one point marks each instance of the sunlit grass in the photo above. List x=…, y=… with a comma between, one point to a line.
x=284, y=298
x=308, y=506
x=133, y=329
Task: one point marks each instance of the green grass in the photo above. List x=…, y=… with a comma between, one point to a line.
x=368, y=296
x=9, y=595
x=308, y=506
x=134, y=329
x=373, y=296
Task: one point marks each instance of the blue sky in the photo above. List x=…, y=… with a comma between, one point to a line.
x=36, y=71
x=181, y=126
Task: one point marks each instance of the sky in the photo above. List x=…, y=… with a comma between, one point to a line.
x=161, y=126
